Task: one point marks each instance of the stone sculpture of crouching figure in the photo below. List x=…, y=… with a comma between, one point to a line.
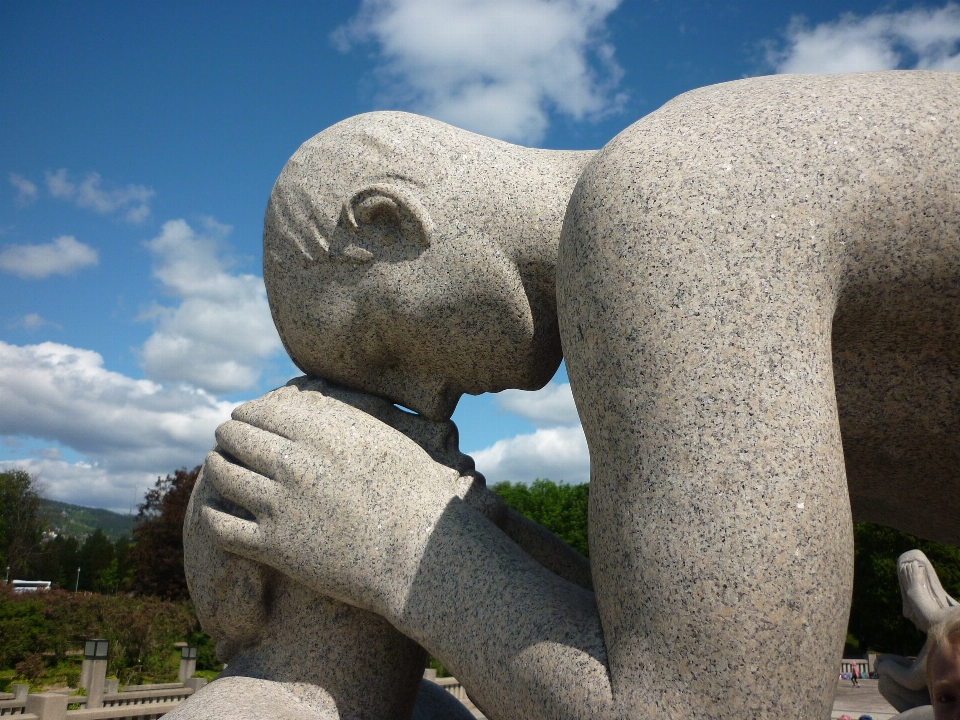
x=757, y=292
x=291, y=651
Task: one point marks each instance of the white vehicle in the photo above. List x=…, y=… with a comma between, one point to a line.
x=25, y=586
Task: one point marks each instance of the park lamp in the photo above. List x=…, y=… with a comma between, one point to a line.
x=188, y=652
x=96, y=649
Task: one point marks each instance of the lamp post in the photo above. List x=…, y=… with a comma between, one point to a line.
x=77, y=586
x=188, y=662
x=94, y=670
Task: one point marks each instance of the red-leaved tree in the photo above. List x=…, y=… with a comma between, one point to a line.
x=157, y=556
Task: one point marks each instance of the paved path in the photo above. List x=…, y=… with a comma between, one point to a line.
x=865, y=700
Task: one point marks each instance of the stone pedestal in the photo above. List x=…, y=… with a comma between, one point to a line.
x=84, y=674
x=188, y=666
x=195, y=683
x=47, y=706
x=95, y=682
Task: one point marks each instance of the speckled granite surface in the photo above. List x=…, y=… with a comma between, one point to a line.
x=414, y=260
x=752, y=282
x=279, y=636
x=384, y=267
x=716, y=257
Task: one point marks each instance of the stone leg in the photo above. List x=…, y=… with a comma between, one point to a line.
x=720, y=527
x=902, y=698
x=921, y=712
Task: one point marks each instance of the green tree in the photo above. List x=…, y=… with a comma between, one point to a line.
x=96, y=559
x=122, y=567
x=157, y=556
x=21, y=528
x=562, y=509
x=56, y=561
x=67, y=551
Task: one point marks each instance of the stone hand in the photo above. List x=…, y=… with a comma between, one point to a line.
x=348, y=512
x=924, y=601
x=300, y=411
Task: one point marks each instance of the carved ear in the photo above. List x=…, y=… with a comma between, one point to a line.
x=390, y=208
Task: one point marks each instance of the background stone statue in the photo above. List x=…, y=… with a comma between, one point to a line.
x=903, y=681
x=754, y=284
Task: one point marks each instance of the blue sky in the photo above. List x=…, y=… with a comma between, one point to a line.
x=139, y=142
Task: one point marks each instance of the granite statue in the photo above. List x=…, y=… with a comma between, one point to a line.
x=755, y=290
x=903, y=681
x=338, y=661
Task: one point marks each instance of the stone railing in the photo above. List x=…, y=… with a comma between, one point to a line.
x=847, y=665
x=452, y=686
x=132, y=704
x=104, y=700
x=13, y=703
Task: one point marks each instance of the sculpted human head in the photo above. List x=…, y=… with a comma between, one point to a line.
x=416, y=261
x=943, y=667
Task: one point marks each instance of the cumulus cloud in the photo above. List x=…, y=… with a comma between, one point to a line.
x=26, y=190
x=925, y=39
x=497, y=67
x=558, y=453
x=134, y=199
x=551, y=405
x=221, y=331
x=558, y=448
x=129, y=431
x=32, y=322
x=63, y=256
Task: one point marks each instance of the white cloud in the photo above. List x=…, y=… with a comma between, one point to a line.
x=558, y=448
x=129, y=431
x=221, y=332
x=497, y=67
x=558, y=453
x=925, y=39
x=61, y=257
x=550, y=406
x=32, y=322
x=26, y=190
x=89, y=194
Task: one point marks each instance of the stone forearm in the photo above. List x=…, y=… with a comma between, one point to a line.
x=523, y=641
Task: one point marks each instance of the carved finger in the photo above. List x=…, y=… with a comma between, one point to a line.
x=241, y=537
x=263, y=452
x=241, y=486
x=294, y=411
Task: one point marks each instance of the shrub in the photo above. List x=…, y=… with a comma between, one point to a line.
x=31, y=667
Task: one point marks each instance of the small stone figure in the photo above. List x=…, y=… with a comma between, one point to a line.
x=904, y=681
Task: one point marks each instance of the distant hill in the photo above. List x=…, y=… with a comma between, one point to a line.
x=66, y=519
